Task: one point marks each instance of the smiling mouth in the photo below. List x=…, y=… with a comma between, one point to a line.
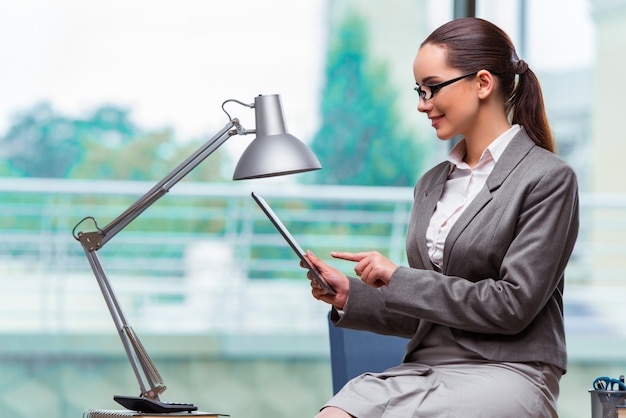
x=435, y=120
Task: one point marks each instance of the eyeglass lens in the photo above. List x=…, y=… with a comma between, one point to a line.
x=426, y=92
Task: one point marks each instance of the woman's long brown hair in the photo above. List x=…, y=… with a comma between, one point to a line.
x=474, y=44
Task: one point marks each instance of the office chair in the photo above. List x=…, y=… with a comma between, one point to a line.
x=355, y=352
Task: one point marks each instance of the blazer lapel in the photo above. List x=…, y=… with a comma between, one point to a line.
x=426, y=207
x=515, y=152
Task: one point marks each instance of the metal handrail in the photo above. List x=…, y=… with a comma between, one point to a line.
x=195, y=272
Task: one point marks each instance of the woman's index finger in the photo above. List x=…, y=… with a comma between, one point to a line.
x=349, y=256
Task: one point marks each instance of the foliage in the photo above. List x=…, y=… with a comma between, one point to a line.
x=360, y=141
x=38, y=144
x=105, y=145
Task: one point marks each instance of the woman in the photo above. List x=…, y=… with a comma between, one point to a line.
x=490, y=235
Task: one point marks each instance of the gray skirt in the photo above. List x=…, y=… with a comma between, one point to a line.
x=457, y=384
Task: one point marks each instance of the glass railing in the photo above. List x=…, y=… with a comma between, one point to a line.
x=204, y=258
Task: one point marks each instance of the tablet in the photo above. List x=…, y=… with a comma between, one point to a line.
x=291, y=241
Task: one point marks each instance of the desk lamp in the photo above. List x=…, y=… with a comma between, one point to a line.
x=273, y=152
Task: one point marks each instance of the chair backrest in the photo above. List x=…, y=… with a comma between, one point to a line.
x=355, y=352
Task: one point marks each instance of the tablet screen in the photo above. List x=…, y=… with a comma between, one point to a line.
x=291, y=241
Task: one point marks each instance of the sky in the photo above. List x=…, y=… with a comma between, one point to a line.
x=174, y=62
x=560, y=33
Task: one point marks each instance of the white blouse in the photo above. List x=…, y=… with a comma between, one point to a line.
x=461, y=188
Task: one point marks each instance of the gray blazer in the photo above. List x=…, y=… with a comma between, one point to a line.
x=500, y=290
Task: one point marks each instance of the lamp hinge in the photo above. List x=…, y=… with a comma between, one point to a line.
x=91, y=241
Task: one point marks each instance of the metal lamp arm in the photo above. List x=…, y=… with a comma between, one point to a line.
x=257, y=161
x=177, y=174
x=148, y=377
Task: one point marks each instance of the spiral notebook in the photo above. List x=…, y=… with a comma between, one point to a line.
x=110, y=413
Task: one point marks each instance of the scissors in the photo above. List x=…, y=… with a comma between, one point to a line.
x=608, y=383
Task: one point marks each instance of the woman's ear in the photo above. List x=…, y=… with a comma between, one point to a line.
x=486, y=84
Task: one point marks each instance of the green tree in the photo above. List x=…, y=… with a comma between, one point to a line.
x=147, y=157
x=43, y=143
x=106, y=144
x=361, y=140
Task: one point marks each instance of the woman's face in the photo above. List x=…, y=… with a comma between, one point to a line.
x=452, y=109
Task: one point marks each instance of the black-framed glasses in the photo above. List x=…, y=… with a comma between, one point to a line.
x=427, y=91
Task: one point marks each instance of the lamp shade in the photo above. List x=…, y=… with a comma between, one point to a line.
x=274, y=152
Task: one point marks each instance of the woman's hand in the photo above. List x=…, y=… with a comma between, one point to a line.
x=335, y=279
x=372, y=267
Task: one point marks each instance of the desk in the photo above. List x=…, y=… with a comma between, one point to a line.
x=111, y=413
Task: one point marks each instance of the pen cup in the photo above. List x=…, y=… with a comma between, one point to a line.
x=604, y=402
